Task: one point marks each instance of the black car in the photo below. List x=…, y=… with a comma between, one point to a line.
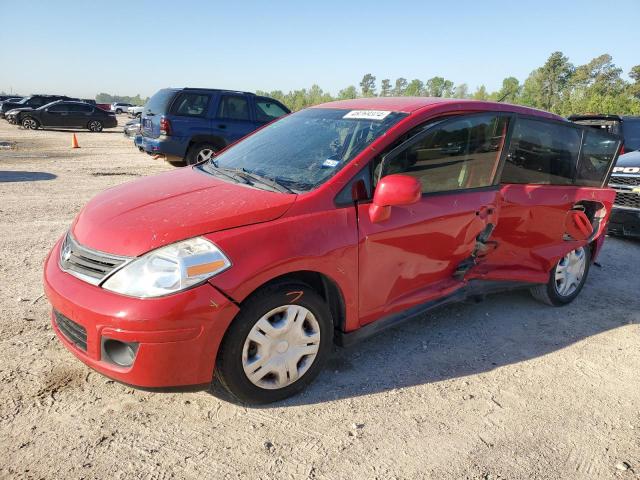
x=625, y=180
x=34, y=101
x=628, y=127
x=68, y=114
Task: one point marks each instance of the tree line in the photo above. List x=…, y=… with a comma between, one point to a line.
x=108, y=98
x=558, y=86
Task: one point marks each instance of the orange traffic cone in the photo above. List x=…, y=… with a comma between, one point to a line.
x=74, y=142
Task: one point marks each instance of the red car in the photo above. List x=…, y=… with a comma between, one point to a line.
x=326, y=226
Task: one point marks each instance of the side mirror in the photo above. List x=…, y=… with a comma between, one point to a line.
x=393, y=191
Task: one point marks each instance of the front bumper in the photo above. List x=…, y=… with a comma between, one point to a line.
x=178, y=335
x=624, y=221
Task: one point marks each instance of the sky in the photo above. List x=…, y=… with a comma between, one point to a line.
x=129, y=47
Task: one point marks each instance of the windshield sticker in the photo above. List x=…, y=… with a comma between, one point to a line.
x=330, y=163
x=367, y=114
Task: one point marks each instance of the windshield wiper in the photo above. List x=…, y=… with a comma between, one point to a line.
x=266, y=181
x=227, y=172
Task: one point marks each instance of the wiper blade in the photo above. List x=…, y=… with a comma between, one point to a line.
x=266, y=181
x=227, y=172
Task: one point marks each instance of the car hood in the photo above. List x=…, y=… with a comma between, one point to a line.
x=138, y=216
x=22, y=109
x=631, y=159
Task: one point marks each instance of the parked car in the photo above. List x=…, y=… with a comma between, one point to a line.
x=34, y=101
x=119, y=107
x=330, y=224
x=135, y=111
x=132, y=128
x=625, y=180
x=191, y=124
x=628, y=127
x=68, y=114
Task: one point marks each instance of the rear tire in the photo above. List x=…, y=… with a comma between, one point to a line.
x=200, y=152
x=30, y=123
x=95, y=126
x=566, y=279
x=282, y=338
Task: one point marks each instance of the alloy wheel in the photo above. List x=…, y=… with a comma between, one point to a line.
x=205, y=154
x=281, y=347
x=29, y=123
x=95, y=126
x=569, y=272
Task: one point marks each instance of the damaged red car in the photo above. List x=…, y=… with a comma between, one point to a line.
x=326, y=226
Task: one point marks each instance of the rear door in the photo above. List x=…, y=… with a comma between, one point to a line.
x=552, y=169
x=79, y=115
x=234, y=118
x=190, y=115
x=419, y=253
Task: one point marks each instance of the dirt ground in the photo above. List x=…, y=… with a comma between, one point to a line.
x=504, y=389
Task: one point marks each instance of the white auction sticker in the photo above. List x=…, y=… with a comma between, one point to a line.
x=367, y=114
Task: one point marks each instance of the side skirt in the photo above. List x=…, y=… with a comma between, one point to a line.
x=474, y=288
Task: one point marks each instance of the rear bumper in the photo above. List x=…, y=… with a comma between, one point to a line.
x=168, y=146
x=177, y=335
x=625, y=222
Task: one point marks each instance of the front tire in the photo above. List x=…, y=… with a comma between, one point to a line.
x=276, y=346
x=566, y=279
x=30, y=123
x=200, y=152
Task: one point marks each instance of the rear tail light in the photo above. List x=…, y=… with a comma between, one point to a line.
x=165, y=126
x=622, y=149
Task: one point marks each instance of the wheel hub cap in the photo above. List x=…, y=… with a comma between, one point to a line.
x=281, y=347
x=569, y=272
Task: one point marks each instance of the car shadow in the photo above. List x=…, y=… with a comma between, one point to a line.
x=76, y=130
x=458, y=341
x=20, y=176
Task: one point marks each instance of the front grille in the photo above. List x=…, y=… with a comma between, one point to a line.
x=89, y=265
x=75, y=333
x=620, y=180
x=627, y=199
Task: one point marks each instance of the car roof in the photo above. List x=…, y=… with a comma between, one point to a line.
x=413, y=104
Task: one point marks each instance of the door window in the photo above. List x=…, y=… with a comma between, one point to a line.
x=543, y=153
x=597, y=154
x=631, y=133
x=191, y=104
x=233, y=108
x=459, y=153
x=61, y=107
x=267, y=110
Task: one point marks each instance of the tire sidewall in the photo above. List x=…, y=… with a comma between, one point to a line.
x=558, y=299
x=192, y=154
x=229, y=368
x=99, y=124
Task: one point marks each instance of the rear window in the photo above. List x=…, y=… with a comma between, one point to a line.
x=159, y=102
x=631, y=134
x=542, y=153
x=597, y=153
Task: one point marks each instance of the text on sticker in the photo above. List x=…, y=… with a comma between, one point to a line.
x=367, y=114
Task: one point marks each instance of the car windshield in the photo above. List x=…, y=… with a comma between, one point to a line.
x=305, y=149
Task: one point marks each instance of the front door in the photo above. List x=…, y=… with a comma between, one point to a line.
x=416, y=255
x=233, y=118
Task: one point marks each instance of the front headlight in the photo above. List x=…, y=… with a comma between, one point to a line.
x=169, y=269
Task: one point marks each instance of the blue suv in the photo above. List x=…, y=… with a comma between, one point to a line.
x=190, y=124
